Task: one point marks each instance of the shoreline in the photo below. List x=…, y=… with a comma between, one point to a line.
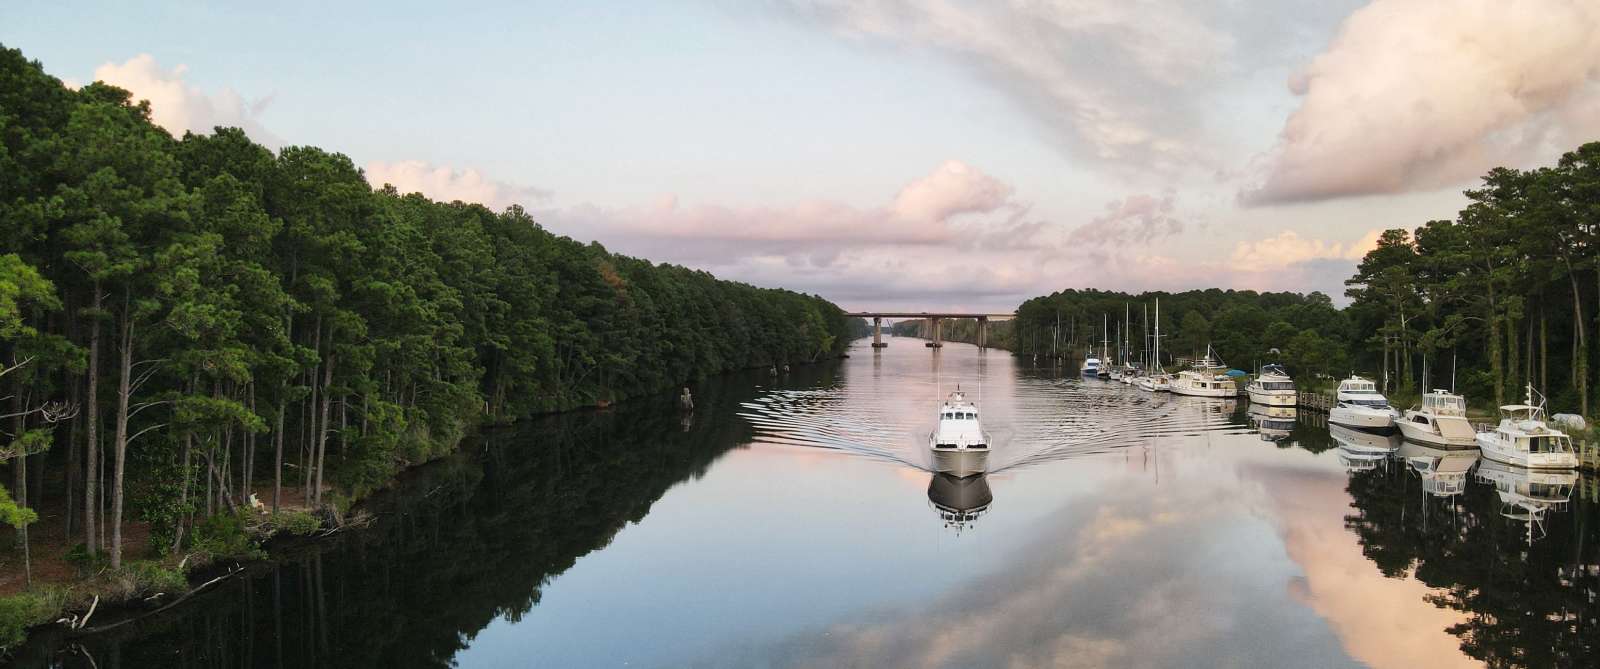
x=77, y=607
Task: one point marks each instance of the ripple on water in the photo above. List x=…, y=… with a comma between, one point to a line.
x=884, y=409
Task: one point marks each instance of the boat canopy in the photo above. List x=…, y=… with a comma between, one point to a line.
x=1445, y=403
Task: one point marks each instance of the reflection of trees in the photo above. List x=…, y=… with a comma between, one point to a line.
x=456, y=544
x=1534, y=606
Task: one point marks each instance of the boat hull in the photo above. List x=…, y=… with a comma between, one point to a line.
x=1203, y=392
x=960, y=462
x=1493, y=449
x=1274, y=398
x=1451, y=431
x=1362, y=417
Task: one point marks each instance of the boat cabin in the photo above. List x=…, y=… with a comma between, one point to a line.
x=1444, y=403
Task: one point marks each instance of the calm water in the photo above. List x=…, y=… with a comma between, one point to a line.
x=793, y=523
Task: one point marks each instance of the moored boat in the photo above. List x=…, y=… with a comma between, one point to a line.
x=1440, y=421
x=1360, y=405
x=1204, y=378
x=959, y=445
x=1272, y=387
x=1524, y=439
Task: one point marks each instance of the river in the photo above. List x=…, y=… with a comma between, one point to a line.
x=792, y=522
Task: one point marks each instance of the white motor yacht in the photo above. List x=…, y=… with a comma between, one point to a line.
x=960, y=446
x=1204, y=378
x=1273, y=387
x=1441, y=421
x=1360, y=405
x=1090, y=366
x=1443, y=472
x=1524, y=439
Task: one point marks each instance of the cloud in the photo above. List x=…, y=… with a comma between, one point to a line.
x=1136, y=219
x=178, y=106
x=448, y=184
x=1415, y=95
x=1289, y=249
x=1109, y=79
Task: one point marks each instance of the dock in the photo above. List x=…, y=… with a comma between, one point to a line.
x=1315, y=401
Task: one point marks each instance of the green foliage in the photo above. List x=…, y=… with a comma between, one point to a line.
x=246, y=298
x=147, y=577
x=27, y=609
x=298, y=523
x=13, y=514
x=223, y=537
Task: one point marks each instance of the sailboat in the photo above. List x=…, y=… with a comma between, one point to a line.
x=1156, y=379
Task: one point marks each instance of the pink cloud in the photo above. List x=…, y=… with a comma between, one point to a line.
x=448, y=184
x=1414, y=95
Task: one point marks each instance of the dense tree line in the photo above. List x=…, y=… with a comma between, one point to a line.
x=1504, y=294
x=1242, y=326
x=184, y=321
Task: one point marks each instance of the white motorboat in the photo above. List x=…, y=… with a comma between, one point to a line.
x=1443, y=471
x=1204, y=378
x=1272, y=423
x=1441, y=421
x=1360, y=405
x=959, y=445
x=1273, y=387
x=1524, y=439
x=1090, y=366
x=1115, y=373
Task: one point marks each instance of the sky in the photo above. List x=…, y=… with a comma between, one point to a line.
x=890, y=154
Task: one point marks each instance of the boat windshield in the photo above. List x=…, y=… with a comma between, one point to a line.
x=1277, y=385
x=1549, y=444
x=1377, y=403
x=1445, y=404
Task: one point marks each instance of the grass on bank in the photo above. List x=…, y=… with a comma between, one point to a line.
x=222, y=537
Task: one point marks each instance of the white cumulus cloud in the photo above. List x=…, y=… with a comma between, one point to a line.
x=179, y=106
x=1419, y=94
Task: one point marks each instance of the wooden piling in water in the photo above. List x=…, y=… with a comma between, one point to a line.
x=1314, y=401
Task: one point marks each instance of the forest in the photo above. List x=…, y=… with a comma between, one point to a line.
x=187, y=323
x=1503, y=295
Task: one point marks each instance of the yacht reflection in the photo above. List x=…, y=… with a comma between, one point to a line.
x=1361, y=450
x=1443, y=471
x=1526, y=495
x=959, y=501
x=1272, y=423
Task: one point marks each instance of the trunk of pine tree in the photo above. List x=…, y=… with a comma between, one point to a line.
x=91, y=442
x=1496, y=364
x=124, y=389
x=322, y=424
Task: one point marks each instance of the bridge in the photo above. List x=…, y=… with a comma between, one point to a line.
x=935, y=321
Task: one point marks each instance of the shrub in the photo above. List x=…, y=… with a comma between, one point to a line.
x=223, y=536
x=24, y=610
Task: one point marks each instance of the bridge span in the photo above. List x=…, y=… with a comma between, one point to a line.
x=935, y=320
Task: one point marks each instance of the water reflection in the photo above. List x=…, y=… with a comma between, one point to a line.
x=1443, y=471
x=785, y=523
x=1272, y=423
x=456, y=545
x=959, y=501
